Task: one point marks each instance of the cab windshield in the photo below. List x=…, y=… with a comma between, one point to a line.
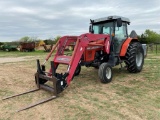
x=103, y=28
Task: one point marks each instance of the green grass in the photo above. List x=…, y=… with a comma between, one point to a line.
x=19, y=54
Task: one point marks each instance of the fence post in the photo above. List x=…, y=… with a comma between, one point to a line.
x=156, y=48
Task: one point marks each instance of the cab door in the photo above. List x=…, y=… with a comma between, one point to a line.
x=120, y=36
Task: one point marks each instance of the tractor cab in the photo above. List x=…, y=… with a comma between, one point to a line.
x=115, y=26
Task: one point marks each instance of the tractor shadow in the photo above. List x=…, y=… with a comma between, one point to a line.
x=88, y=79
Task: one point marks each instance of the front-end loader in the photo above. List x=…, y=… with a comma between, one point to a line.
x=106, y=45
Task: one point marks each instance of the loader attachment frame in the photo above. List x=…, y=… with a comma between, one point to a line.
x=61, y=81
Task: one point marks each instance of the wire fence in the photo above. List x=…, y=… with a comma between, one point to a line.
x=153, y=48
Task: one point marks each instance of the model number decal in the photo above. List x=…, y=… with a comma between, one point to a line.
x=95, y=47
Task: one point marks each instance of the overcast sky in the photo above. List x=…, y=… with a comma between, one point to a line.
x=49, y=18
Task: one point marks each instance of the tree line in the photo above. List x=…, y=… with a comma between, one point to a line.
x=49, y=41
x=35, y=39
x=149, y=36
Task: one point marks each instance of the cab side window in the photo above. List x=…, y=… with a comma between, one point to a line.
x=120, y=32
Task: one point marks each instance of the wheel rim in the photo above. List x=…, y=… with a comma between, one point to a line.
x=139, y=58
x=108, y=73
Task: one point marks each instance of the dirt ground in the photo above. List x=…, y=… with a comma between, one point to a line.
x=15, y=59
x=128, y=96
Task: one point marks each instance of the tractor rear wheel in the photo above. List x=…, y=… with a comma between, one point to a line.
x=105, y=73
x=134, y=57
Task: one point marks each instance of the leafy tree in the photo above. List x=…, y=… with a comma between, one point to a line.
x=142, y=38
x=1, y=43
x=33, y=39
x=48, y=42
x=28, y=39
x=56, y=39
x=151, y=36
x=25, y=39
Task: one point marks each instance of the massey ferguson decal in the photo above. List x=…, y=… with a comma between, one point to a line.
x=63, y=59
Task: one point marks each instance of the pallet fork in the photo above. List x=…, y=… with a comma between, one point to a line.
x=38, y=76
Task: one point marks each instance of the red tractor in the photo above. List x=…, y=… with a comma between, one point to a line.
x=106, y=45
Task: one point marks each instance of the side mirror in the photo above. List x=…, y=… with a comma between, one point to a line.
x=91, y=29
x=119, y=22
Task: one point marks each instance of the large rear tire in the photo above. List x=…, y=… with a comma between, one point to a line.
x=134, y=57
x=105, y=73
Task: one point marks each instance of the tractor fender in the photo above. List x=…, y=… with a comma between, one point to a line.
x=125, y=46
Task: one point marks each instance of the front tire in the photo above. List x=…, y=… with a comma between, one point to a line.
x=105, y=73
x=134, y=57
x=78, y=70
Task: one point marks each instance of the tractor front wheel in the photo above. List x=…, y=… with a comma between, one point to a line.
x=78, y=70
x=134, y=57
x=105, y=73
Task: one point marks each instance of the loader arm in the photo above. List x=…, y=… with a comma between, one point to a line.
x=62, y=80
x=81, y=43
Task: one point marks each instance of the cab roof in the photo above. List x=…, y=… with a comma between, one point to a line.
x=110, y=18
